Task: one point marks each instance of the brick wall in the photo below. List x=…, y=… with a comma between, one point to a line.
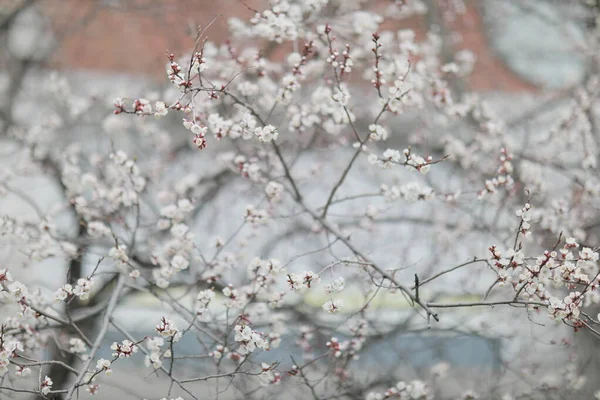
x=101, y=35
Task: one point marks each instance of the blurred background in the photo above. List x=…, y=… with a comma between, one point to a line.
x=528, y=53
x=519, y=45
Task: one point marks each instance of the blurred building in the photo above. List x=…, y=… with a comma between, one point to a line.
x=131, y=36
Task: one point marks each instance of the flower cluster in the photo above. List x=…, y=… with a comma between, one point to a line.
x=274, y=191
x=336, y=286
x=204, y=298
x=8, y=351
x=154, y=359
x=268, y=376
x=168, y=330
x=503, y=174
x=249, y=340
x=174, y=256
x=119, y=254
x=333, y=306
x=218, y=352
x=103, y=365
x=77, y=345
x=173, y=214
x=264, y=271
x=567, y=308
x=46, y=385
x=82, y=290
x=125, y=349
x=266, y=133
x=392, y=156
x=303, y=281
x=256, y=216
x=411, y=192
x=414, y=390
x=377, y=132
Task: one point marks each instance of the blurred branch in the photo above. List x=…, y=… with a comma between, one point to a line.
x=8, y=20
